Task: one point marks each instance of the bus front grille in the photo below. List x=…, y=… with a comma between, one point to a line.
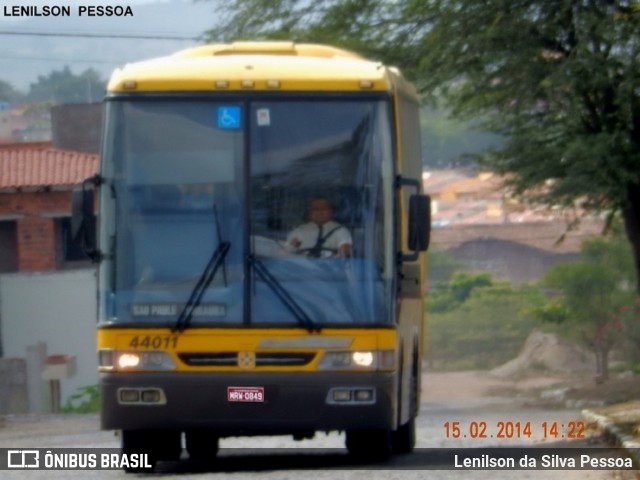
x=231, y=359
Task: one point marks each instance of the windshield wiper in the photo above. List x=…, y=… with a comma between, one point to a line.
x=205, y=280
x=284, y=296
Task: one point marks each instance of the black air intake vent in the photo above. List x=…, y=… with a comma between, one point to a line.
x=230, y=359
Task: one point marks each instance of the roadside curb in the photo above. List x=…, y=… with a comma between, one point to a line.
x=614, y=433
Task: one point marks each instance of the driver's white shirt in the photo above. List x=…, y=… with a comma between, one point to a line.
x=307, y=234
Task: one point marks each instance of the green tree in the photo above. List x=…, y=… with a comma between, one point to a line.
x=456, y=290
x=462, y=284
x=442, y=265
x=62, y=86
x=629, y=315
x=592, y=292
x=556, y=78
x=9, y=94
x=448, y=142
x=485, y=330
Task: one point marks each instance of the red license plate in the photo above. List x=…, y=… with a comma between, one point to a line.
x=245, y=394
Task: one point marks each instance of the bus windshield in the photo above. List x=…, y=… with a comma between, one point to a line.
x=207, y=203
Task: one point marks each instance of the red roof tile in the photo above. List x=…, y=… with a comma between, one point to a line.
x=45, y=168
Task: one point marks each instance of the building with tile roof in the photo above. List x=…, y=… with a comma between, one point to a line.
x=36, y=181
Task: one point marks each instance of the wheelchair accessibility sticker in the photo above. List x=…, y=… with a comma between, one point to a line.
x=229, y=117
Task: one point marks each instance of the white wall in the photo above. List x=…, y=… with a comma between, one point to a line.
x=57, y=308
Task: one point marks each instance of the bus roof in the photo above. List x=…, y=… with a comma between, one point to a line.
x=260, y=66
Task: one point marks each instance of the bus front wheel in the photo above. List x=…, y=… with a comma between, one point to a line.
x=403, y=440
x=202, y=445
x=369, y=444
x=156, y=445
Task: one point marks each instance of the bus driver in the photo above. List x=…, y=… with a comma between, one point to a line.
x=320, y=237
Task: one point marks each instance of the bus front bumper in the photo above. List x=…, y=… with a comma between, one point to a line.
x=234, y=404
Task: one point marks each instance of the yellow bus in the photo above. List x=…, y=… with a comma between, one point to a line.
x=212, y=322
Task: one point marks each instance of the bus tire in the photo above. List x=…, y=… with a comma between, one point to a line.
x=139, y=441
x=202, y=446
x=369, y=445
x=157, y=444
x=403, y=440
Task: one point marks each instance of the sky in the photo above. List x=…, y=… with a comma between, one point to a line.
x=26, y=52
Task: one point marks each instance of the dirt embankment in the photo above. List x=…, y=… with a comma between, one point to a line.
x=548, y=371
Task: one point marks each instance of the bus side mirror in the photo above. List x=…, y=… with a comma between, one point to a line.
x=83, y=221
x=419, y=222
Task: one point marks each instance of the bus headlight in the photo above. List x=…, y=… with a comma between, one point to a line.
x=128, y=360
x=360, y=360
x=135, y=360
x=363, y=359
